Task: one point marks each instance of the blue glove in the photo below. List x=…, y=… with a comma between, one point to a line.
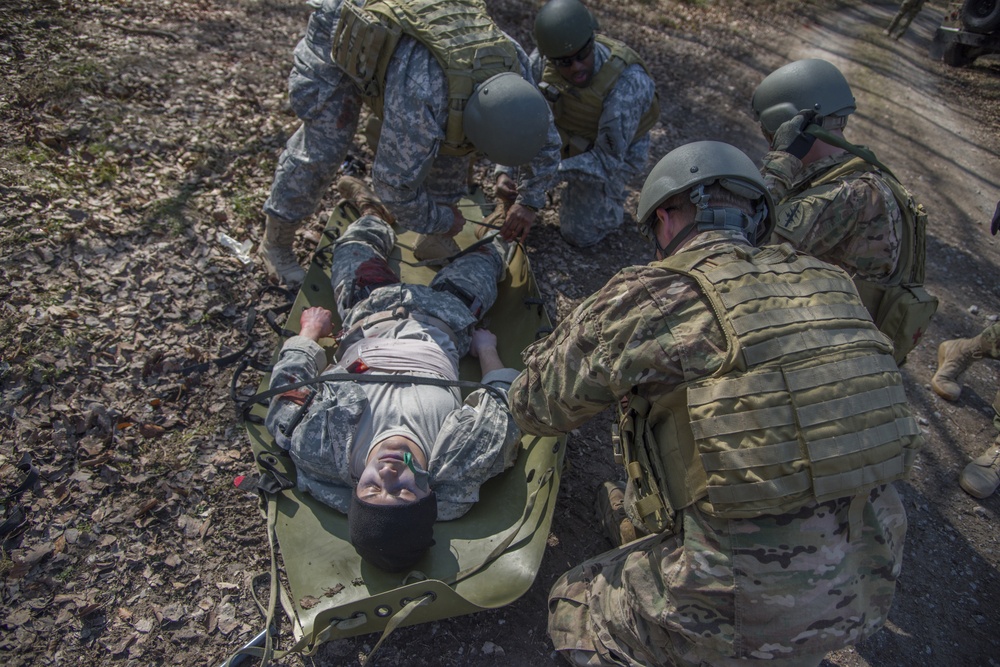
x=790, y=136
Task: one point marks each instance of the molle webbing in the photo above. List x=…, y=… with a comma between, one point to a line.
x=466, y=43
x=808, y=405
x=577, y=111
x=913, y=242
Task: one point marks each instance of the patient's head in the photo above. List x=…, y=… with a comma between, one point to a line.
x=394, y=473
x=392, y=509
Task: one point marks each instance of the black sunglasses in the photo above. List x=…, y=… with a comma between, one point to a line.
x=577, y=57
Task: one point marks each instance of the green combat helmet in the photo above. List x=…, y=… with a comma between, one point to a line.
x=692, y=167
x=563, y=27
x=507, y=119
x=812, y=84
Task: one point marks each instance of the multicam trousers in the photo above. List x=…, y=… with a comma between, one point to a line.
x=781, y=591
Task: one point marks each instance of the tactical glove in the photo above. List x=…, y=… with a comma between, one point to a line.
x=995, y=225
x=790, y=136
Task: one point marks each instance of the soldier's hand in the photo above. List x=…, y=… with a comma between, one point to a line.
x=315, y=322
x=790, y=136
x=506, y=188
x=518, y=223
x=459, y=223
x=482, y=339
x=995, y=225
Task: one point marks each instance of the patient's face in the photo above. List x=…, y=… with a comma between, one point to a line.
x=386, y=479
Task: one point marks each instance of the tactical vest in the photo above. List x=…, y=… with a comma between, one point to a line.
x=807, y=406
x=577, y=111
x=459, y=33
x=901, y=307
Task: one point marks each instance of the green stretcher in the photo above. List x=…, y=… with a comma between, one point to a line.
x=483, y=560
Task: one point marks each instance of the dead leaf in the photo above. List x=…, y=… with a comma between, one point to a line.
x=330, y=592
x=123, y=645
x=30, y=559
x=308, y=602
x=151, y=430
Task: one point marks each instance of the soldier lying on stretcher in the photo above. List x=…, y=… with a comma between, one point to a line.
x=399, y=453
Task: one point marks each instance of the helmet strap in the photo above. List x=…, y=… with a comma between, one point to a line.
x=676, y=241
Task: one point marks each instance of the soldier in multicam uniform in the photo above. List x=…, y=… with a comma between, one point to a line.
x=762, y=421
x=900, y=23
x=835, y=200
x=432, y=120
x=604, y=103
x=396, y=455
x=981, y=477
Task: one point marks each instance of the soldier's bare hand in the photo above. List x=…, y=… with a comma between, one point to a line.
x=518, y=223
x=506, y=188
x=315, y=323
x=482, y=339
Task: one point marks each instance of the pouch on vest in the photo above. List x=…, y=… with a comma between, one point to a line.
x=902, y=313
x=903, y=309
x=646, y=502
x=360, y=42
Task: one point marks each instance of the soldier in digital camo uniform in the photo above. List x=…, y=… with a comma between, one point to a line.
x=396, y=456
x=432, y=121
x=762, y=422
x=837, y=202
x=604, y=102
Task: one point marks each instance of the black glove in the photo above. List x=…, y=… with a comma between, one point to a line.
x=790, y=136
x=995, y=225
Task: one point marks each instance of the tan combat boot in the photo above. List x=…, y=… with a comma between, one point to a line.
x=354, y=190
x=954, y=357
x=610, y=507
x=278, y=254
x=435, y=246
x=982, y=477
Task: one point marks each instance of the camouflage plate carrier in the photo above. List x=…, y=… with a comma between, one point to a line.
x=463, y=38
x=807, y=406
x=901, y=307
x=577, y=111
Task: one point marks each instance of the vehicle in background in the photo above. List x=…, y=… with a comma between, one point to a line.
x=970, y=29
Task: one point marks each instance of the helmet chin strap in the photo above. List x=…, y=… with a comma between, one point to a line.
x=714, y=219
x=674, y=242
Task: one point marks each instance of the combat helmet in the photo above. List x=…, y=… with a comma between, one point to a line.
x=811, y=84
x=563, y=27
x=507, y=119
x=692, y=167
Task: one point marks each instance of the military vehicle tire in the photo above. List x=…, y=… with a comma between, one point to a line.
x=982, y=16
x=956, y=55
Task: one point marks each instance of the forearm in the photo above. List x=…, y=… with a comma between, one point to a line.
x=489, y=360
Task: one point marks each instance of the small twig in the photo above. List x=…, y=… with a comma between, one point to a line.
x=174, y=37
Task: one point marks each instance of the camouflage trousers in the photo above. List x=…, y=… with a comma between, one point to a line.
x=329, y=106
x=785, y=590
x=592, y=201
x=470, y=281
x=590, y=209
x=908, y=10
